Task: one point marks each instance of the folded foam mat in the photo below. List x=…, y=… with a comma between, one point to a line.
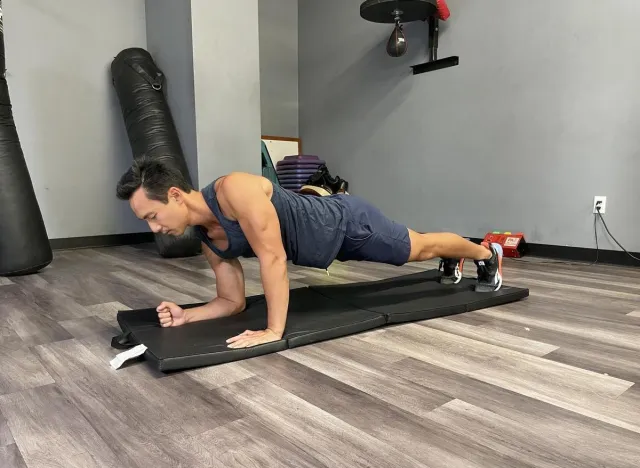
x=316, y=313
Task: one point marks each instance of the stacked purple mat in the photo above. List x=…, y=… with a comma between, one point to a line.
x=294, y=171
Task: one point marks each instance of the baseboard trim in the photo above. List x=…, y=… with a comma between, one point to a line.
x=579, y=254
x=558, y=252
x=112, y=240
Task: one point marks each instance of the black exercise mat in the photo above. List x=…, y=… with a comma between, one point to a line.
x=311, y=318
x=419, y=296
x=316, y=313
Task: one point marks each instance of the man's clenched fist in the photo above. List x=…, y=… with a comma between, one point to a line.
x=171, y=314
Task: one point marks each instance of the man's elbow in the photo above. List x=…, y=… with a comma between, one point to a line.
x=273, y=260
x=239, y=306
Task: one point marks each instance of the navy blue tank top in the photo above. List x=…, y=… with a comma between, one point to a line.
x=312, y=227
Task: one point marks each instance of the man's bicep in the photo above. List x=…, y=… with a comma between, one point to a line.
x=263, y=233
x=261, y=226
x=211, y=257
x=256, y=215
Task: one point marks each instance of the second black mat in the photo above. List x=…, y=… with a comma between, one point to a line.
x=418, y=296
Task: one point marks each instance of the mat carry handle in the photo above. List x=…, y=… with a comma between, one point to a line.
x=124, y=341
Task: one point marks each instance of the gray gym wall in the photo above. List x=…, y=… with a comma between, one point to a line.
x=170, y=44
x=213, y=76
x=279, y=67
x=66, y=113
x=226, y=59
x=541, y=114
x=227, y=89
x=69, y=119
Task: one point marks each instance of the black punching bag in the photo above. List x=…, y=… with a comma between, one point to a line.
x=139, y=85
x=24, y=244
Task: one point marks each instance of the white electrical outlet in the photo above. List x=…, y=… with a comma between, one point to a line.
x=599, y=201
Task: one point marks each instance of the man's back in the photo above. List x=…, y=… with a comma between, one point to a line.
x=312, y=228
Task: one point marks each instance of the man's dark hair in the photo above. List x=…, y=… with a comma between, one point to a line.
x=155, y=175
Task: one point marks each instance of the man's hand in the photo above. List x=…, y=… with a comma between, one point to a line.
x=171, y=315
x=252, y=338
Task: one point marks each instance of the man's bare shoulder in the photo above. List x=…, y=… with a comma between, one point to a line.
x=241, y=182
x=239, y=186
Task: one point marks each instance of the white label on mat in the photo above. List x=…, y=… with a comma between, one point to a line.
x=123, y=357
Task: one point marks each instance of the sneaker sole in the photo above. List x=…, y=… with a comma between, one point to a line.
x=485, y=288
x=459, y=271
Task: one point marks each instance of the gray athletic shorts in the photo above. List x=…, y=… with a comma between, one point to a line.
x=371, y=236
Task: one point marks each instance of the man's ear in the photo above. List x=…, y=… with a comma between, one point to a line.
x=176, y=194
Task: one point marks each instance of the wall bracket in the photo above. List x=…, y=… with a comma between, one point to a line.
x=434, y=63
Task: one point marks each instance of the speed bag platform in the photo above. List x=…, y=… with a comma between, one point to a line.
x=316, y=313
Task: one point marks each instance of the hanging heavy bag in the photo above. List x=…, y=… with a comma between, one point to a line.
x=139, y=85
x=24, y=243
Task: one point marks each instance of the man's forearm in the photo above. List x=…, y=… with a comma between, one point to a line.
x=217, y=308
x=275, y=283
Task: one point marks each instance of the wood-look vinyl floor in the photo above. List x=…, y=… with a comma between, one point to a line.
x=551, y=381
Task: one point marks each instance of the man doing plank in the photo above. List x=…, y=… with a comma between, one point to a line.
x=245, y=215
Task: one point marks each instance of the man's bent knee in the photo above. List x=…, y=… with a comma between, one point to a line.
x=423, y=247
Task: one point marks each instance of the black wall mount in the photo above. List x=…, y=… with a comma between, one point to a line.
x=434, y=63
x=404, y=11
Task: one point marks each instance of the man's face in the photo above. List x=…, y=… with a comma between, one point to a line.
x=167, y=218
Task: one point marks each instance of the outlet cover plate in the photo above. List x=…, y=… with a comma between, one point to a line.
x=603, y=203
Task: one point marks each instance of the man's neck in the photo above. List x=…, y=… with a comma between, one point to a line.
x=199, y=212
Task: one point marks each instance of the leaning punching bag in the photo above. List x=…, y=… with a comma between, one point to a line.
x=24, y=243
x=139, y=85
